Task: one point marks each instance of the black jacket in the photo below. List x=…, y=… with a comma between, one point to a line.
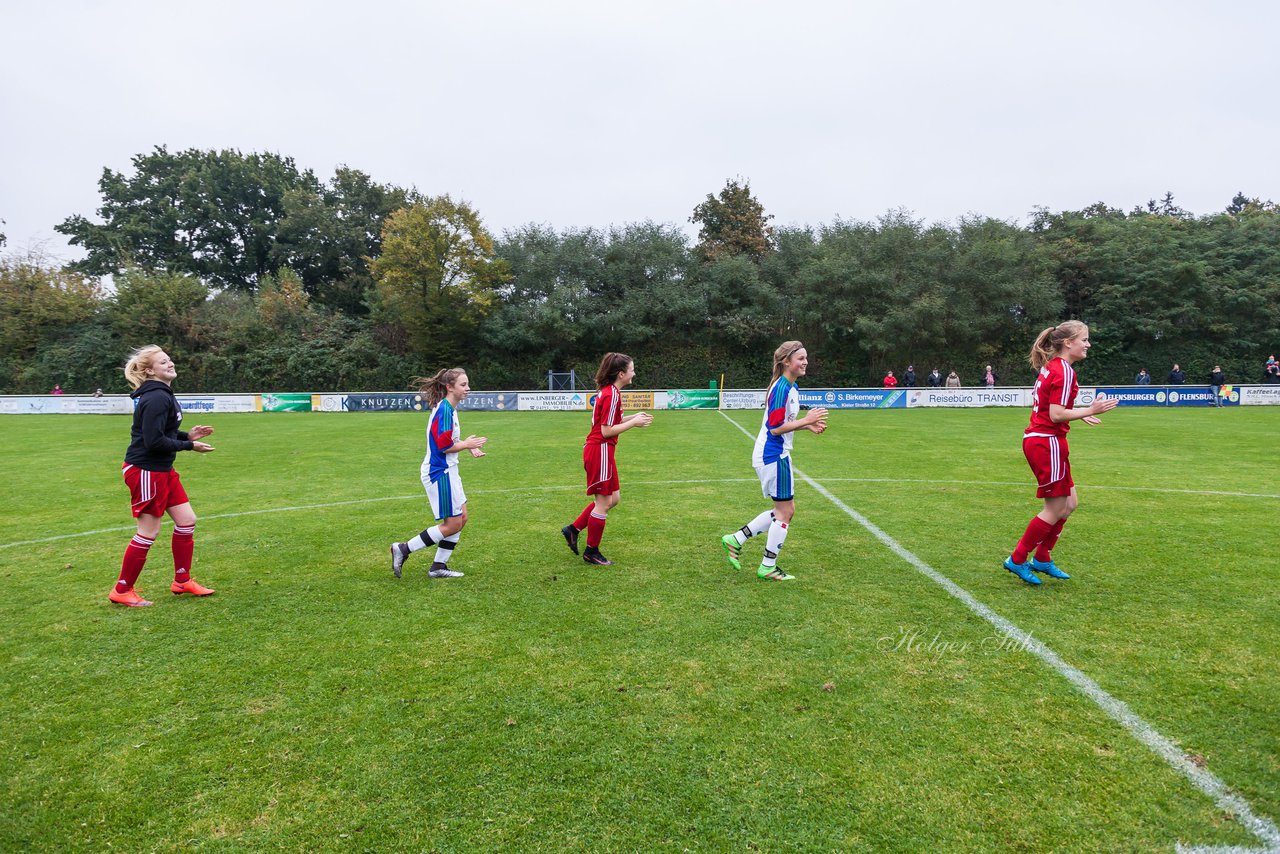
x=1217, y=378
x=156, y=438
x=909, y=379
x=934, y=380
x=1177, y=377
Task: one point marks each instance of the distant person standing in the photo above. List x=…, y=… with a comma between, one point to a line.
x=97, y=392
x=1176, y=376
x=1271, y=375
x=934, y=379
x=990, y=377
x=909, y=378
x=57, y=389
x=1143, y=378
x=1217, y=379
x=953, y=380
x=890, y=381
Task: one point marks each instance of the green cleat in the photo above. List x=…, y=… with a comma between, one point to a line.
x=773, y=573
x=732, y=550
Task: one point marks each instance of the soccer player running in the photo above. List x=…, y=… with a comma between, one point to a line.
x=616, y=371
x=439, y=472
x=154, y=486
x=772, y=460
x=1044, y=443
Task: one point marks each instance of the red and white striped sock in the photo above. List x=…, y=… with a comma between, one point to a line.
x=1042, y=551
x=595, y=530
x=135, y=557
x=1035, y=534
x=584, y=517
x=184, y=546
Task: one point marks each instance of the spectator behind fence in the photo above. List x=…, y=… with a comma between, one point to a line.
x=934, y=379
x=1217, y=379
x=1143, y=378
x=953, y=380
x=909, y=378
x=890, y=381
x=57, y=389
x=1271, y=373
x=1176, y=376
x=990, y=377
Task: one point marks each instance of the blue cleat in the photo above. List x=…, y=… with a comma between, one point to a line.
x=1048, y=567
x=1021, y=570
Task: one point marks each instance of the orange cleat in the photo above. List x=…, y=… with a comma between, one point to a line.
x=190, y=586
x=130, y=597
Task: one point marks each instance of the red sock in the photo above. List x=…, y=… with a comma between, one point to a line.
x=581, y=521
x=1035, y=534
x=595, y=530
x=1046, y=546
x=135, y=557
x=184, y=544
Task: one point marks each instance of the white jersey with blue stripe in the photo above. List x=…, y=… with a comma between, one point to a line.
x=782, y=404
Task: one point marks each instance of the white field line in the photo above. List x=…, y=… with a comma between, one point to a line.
x=1260, y=826
x=544, y=488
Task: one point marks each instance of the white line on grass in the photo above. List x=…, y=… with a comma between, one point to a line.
x=1260, y=826
x=545, y=488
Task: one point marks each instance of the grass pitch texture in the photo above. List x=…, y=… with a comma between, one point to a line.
x=667, y=702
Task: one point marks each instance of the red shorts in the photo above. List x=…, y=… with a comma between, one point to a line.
x=1050, y=462
x=153, y=492
x=602, y=472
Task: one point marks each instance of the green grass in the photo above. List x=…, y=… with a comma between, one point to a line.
x=666, y=703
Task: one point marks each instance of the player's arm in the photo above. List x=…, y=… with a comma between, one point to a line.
x=1060, y=414
x=815, y=421
x=639, y=419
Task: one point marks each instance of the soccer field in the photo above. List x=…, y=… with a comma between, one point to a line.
x=668, y=702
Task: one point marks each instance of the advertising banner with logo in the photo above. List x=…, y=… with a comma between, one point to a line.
x=552, y=401
x=742, y=400
x=1259, y=395
x=693, y=398
x=105, y=405
x=491, y=401
x=285, y=402
x=967, y=397
x=845, y=398
x=381, y=401
x=1192, y=395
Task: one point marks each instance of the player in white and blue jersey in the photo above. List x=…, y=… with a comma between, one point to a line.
x=439, y=472
x=772, y=460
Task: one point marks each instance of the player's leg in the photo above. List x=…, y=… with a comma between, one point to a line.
x=784, y=507
x=450, y=527
x=607, y=492
x=438, y=496
x=1062, y=507
x=184, y=533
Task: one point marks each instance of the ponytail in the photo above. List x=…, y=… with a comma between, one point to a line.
x=435, y=387
x=782, y=354
x=135, y=368
x=1048, y=344
x=611, y=366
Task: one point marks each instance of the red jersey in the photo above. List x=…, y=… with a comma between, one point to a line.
x=1056, y=384
x=608, y=410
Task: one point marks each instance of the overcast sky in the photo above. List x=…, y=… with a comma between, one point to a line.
x=592, y=113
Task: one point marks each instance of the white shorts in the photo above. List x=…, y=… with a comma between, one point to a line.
x=446, y=495
x=775, y=480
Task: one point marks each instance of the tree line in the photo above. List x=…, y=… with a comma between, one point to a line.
x=258, y=275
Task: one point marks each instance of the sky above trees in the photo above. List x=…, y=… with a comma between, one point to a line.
x=590, y=114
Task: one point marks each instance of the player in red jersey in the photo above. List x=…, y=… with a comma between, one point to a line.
x=1044, y=443
x=617, y=370
x=154, y=486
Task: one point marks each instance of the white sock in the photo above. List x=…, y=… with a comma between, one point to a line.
x=758, y=525
x=446, y=546
x=428, y=537
x=777, y=536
